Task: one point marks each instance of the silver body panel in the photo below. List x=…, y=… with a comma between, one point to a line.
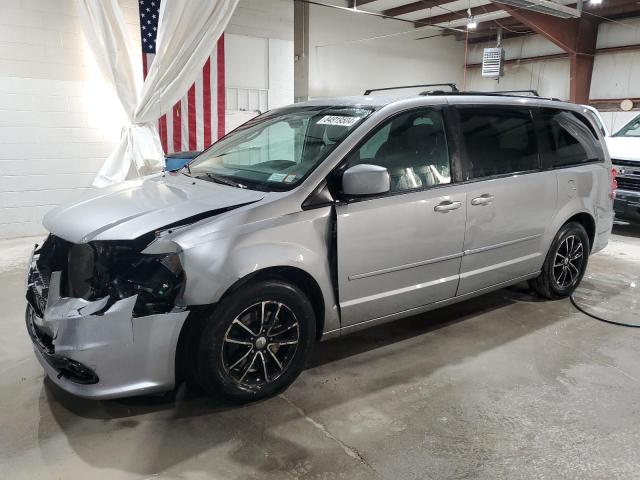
x=132, y=356
x=504, y=236
x=396, y=255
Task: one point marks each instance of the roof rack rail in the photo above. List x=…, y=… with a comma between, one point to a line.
x=499, y=93
x=532, y=92
x=452, y=86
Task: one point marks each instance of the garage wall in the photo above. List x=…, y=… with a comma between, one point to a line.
x=259, y=59
x=59, y=121
x=340, y=63
x=551, y=77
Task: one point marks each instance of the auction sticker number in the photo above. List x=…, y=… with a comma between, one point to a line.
x=338, y=120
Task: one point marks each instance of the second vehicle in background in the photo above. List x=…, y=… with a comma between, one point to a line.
x=624, y=148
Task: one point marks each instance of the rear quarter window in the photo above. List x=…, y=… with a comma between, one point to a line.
x=571, y=138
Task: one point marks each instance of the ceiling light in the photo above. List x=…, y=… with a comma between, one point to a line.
x=471, y=22
x=596, y=2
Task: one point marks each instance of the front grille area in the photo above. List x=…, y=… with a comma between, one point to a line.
x=625, y=163
x=627, y=183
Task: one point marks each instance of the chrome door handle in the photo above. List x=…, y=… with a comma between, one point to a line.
x=447, y=206
x=485, y=199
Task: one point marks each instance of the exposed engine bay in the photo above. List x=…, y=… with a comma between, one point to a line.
x=112, y=269
x=102, y=315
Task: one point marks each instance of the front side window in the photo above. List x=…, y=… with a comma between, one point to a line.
x=498, y=141
x=631, y=129
x=412, y=147
x=571, y=141
x=277, y=150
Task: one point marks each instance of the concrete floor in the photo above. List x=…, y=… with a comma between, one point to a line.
x=503, y=386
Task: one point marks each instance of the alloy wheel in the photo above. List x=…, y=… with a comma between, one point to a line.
x=260, y=344
x=568, y=262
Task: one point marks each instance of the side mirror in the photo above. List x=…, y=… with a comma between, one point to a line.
x=365, y=179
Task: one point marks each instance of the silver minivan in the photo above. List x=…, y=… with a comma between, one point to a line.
x=310, y=222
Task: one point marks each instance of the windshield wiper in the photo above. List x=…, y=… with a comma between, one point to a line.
x=224, y=180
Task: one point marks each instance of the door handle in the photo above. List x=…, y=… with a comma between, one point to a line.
x=447, y=206
x=485, y=199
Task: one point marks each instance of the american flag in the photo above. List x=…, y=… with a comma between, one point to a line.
x=197, y=120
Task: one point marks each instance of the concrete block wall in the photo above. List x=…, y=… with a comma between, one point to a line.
x=58, y=120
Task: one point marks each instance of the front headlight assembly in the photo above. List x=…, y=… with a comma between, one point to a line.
x=120, y=270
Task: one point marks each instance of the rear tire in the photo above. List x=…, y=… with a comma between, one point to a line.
x=256, y=342
x=565, y=264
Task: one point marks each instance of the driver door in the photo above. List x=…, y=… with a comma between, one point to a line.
x=402, y=250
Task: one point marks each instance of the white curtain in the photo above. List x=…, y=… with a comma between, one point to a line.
x=187, y=33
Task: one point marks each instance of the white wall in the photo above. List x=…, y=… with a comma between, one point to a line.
x=341, y=64
x=59, y=121
x=259, y=55
x=615, y=75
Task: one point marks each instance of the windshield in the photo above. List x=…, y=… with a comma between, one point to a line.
x=277, y=150
x=631, y=129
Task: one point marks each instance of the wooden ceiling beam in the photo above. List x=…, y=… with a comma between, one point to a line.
x=508, y=22
x=448, y=17
x=359, y=3
x=489, y=29
x=414, y=7
x=621, y=9
x=490, y=36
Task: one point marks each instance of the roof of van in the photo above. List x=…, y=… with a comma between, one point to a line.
x=379, y=101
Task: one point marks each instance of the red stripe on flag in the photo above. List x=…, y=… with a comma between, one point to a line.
x=162, y=125
x=221, y=88
x=191, y=105
x=206, y=100
x=145, y=66
x=177, y=128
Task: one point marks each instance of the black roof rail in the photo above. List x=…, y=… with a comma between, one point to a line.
x=501, y=93
x=532, y=92
x=453, y=87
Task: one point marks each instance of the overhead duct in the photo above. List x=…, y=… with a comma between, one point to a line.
x=547, y=7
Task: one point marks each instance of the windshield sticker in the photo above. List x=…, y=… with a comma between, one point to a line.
x=338, y=120
x=277, y=177
x=290, y=178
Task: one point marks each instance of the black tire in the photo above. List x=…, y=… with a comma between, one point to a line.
x=275, y=357
x=559, y=278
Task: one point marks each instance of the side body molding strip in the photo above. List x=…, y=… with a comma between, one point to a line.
x=441, y=259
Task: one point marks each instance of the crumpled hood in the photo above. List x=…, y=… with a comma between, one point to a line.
x=624, y=148
x=130, y=209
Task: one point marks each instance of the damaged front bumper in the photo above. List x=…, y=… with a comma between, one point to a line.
x=97, y=352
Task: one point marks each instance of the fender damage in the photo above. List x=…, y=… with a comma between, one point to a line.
x=101, y=332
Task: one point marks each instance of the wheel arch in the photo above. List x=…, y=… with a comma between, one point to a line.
x=588, y=222
x=195, y=322
x=296, y=276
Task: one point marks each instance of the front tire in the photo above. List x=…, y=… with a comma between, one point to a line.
x=565, y=264
x=256, y=342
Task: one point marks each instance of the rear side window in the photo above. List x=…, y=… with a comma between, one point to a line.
x=498, y=141
x=571, y=139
